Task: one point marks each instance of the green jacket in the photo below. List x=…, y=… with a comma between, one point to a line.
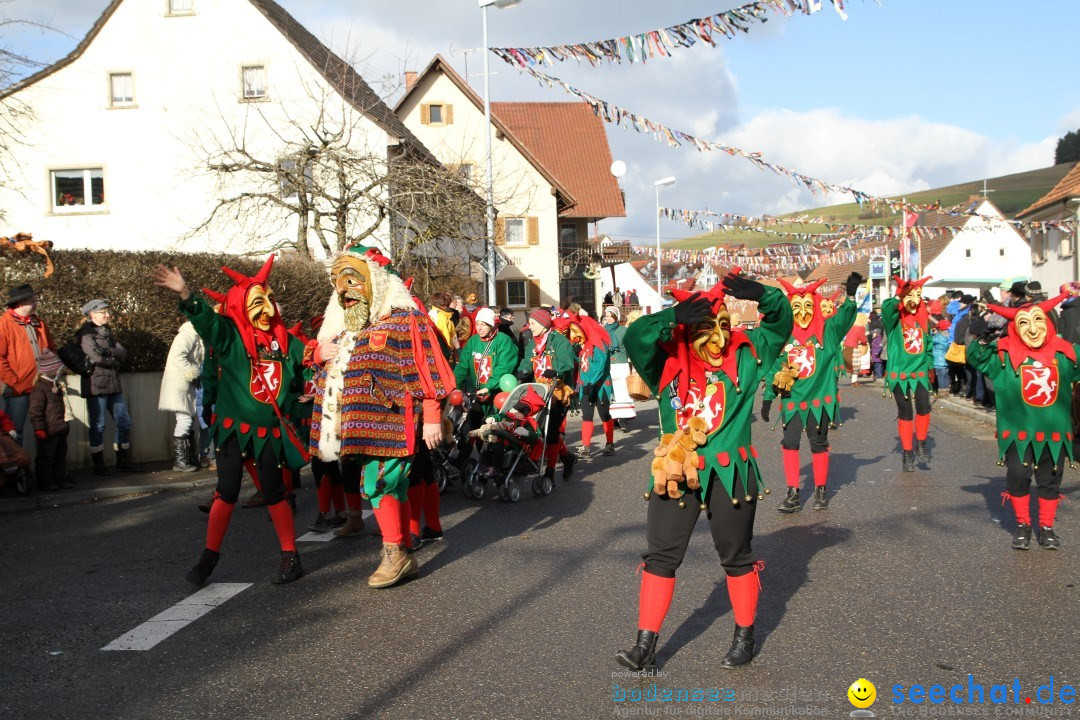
x=910, y=358
x=728, y=407
x=482, y=364
x=618, y=348
x=815, y=392
x=558, y=355
x=1034, y=403
x=595, y=369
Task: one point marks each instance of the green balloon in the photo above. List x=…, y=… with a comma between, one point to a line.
x=507, y=383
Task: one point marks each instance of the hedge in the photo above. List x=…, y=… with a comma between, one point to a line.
x=145, y=317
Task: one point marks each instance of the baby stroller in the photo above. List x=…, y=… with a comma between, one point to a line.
x=509, y=453
x=448, y=464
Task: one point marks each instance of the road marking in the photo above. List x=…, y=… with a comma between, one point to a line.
x=329, y=534
x=188, y=610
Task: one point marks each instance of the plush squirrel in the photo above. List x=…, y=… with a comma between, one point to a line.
x=676, y=459
x=562, y=392
x=784, y=379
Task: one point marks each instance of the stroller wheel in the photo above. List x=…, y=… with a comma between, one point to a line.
x=546, y=485
x=536, y=486
x=512, y=493
x=441, y=478
x=478, y=489
x=467, y=488
x=469, y=468
x=504, y=493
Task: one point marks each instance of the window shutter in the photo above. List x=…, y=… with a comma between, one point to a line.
x=534, y=294
x=534, y=230
x=448, y=114
x=500, y=293
x=500, y=231
x=425, y=114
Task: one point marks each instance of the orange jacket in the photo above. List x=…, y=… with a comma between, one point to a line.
x=18, y=366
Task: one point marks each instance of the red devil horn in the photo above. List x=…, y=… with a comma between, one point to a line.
x=813, y=287
x=1006, y=312
x=1048, y=305
x=788, y=287
x=264, y=273
x=409, y=283
x=922, y=281
x=236, y=277
x=836, y=295
x=214, y=295
x=680, y=295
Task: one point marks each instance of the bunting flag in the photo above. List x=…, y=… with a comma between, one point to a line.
x=772, y=260
x=645, y=46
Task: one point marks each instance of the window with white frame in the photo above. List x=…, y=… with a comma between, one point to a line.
x=78, y=190
x=254, y=80
x=1065, y=244
x=121, y=89
x=516, y=293
x=1038, y=245
x=181, y=7
x=515, y=232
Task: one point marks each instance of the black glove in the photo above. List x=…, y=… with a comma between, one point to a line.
x=766, y=408
x=207, y=414
x=851, y=285
x=694, y=310
x=550, y=374
x=743, y=288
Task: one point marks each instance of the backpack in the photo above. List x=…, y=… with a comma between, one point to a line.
x=75, y=359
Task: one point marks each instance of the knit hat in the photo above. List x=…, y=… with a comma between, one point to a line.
x=541, y=316
x=485, y=315
x=1070, y=288
x=614, y=311
x=95, y=305
x=943, y=325
x=49, y=363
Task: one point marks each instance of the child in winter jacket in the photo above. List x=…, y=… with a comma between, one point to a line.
x=941, y=342
x=48, y=416
x=12, y=457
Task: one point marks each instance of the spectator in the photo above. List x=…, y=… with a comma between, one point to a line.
x=877, y=346
x=622, y=405
x=633, y=302
x=49, y=413
x=23, y=337
x=855, y=337
x=506, y=325
x=616, y=298
x=444, y=322
x=941, y=344
x=101, y=388
x=607, y=298
x=958, y=374
x=954, y=305
x=13, y=458
x=873, y=323
x=179, y=386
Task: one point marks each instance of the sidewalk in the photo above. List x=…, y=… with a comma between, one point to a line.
x=157, y=477
x=952, y=404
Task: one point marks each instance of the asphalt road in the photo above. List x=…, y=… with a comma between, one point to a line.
x=905, y=579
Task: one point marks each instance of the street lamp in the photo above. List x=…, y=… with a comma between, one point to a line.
x=659, y=184
x=489, y=242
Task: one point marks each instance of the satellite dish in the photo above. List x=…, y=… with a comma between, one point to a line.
x=618, y=168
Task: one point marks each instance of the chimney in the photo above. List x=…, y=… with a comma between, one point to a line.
x=410, y=80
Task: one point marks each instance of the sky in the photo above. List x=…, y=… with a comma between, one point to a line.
x=903, y=96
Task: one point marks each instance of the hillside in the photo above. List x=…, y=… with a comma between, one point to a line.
x=1011, y=193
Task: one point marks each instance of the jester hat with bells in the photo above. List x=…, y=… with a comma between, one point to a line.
x=806, y=308
x=594, y=333
x=684, y=362
x=234, y=305
x=386, y=291
x=1024, y=330
x=921, y=316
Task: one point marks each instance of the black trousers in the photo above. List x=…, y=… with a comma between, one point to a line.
x=1047, y=477
x=421, y=471
x=322, y=469
x=958, y=373
x=903, y=403
x=669, y=528
x=602, y=406
x=50, y=463
x=555, y=420
x=230, y=471
x=817, y=433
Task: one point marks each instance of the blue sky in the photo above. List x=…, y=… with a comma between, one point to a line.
x=903, y=96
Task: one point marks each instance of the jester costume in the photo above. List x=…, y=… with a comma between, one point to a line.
x=594, y=388
x=704, y=375
x=484, y=360
x=379, y=373
x=549, y=360
x=1032, y=369
x=810, y=358
x=911, y=355
x=260, y=376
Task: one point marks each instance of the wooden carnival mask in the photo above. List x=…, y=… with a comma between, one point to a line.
x=802, y=309
x=710, y=339
x=1032, y=327
x=259, y=306
x=912, y=299
x=352, y=283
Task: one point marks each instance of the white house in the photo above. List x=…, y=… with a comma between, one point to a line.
x=1053, y=250
x=626, y=277
x=118, y=151
x=551, y=175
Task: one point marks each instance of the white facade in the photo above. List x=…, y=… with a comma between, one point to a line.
x=625, y=277
x=143, y=106
x=1053, y=251
x=985, y=252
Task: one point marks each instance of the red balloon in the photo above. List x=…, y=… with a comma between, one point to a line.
x=455, y=397
x=500, y=399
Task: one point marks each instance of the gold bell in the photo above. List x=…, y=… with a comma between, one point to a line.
x=647, y=495
x=735, y=502
x=748, y=498
x=1055, y=468
x=704, y=507
x=1001, y=463
x=768, y=491
x=682, y=504
x=760, y=496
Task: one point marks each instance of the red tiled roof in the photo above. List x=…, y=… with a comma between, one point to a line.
x=1068, y=187
x=571, y=142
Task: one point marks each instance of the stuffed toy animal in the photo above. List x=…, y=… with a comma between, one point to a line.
x=784, y=379
x=676, y=459
x=562, y=392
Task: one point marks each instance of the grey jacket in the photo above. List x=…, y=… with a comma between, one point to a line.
x=107, y=355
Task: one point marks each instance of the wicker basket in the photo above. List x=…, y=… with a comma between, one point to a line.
x=637, y=388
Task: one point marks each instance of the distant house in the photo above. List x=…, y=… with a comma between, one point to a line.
x=551, y=174
x=1053, y=251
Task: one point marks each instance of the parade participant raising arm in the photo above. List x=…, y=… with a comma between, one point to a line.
x=593, y=346
x=911, y=355
x=705, y=376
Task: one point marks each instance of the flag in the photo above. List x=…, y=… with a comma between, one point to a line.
x=910, y=219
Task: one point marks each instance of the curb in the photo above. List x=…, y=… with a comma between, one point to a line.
x=967, y=411
x=79, y=497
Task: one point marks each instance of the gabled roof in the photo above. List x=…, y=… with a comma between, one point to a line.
x=338, y=73
x=1067, y=187
x=565, y=142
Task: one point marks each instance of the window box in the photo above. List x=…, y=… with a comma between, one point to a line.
x=78, y=190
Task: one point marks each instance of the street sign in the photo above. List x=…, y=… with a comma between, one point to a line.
x=878, y=268
x=500, y=264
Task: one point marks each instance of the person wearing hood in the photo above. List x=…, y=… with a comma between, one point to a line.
x=48, y=414
x=593, y=346
x=1031, y=366
x=549, y=360
x=911, y=355
x=179, y=387
x=486, y=357
x=622, y=405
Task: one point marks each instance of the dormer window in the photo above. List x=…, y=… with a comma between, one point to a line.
x=436, y=114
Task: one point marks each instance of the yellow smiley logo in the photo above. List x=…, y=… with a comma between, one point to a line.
x=862, y=693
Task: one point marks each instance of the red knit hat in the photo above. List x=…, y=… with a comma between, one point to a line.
x=943, y=325
x=541, y=316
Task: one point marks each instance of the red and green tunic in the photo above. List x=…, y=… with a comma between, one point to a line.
x=1034, y=399
x=246, y=390
x=594, y=368
x=815, y=391
x=556, y=354
x=725, y=404
x=482, y=364
x=911, y=353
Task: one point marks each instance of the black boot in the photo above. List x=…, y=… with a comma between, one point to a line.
x=207, y=562
x=742, y=648
x=1048, y=539
x=568, y=462
x=921, y=453
x=180, y=456
x=1022, y=537
x=123, y=461
x=192, y=449
x=99, y=464
x=643, y=655
x=791, y=503
x=909, y=461
x=821, y=498
x=289, y=569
